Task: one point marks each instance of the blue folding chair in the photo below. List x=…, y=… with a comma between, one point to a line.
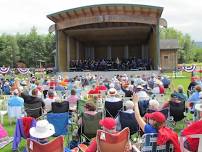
x=128, y=120
x=60, y=122
x=149, y=144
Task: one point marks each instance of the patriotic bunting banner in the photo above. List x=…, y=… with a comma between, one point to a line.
x=4, y=70
x=40, y=70
x=23, y=70
x=189, y=68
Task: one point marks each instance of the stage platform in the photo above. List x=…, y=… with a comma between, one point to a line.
x=109, y=74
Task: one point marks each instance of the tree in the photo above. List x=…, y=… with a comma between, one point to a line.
x=185, y=54
x=9, y=50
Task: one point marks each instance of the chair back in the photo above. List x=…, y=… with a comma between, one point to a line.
x=113, y=108
x=56, y=145
x=59, y=121
x=177, y=110
x=164, y=111
x=143, y=106
x=128, y=120
x=91, y=124
x=33, y=110
x=60, y=107
x=150, y=144
x=117, y=142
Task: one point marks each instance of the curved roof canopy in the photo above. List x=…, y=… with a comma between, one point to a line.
x=129, y=13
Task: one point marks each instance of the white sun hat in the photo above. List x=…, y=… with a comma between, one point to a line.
x=43, y=129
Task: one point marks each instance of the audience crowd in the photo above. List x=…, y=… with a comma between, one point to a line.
x=125, y=101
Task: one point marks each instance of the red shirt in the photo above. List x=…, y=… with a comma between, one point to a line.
x=102, y=88
x=161, y=90
x=94, y=91
x=52, y=84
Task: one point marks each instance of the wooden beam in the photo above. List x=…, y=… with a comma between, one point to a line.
x=91, y=11
x=61, y=17
x=99, y=10
x=54, y=19
x=110, y=18
x=107, y=10
x=75, y=13
x=68, y=15
x=83, y=11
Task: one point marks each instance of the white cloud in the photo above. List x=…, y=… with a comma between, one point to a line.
x=21, y=15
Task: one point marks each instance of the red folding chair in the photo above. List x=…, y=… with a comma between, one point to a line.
x=108, y=142
x=56, y=145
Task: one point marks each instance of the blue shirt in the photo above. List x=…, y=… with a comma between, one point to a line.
x=16, y=101
x=149, y=129
x=194, y=98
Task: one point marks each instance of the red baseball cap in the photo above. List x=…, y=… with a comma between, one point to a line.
x=108, y=123
x=157, y=116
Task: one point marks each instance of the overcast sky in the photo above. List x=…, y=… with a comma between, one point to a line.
x=21, y=15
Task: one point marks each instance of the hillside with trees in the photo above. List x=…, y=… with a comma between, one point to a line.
x=27, y=48
x=33, y=47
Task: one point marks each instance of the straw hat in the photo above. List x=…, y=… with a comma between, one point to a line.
x=43, y=129
x=112, y=91
x=139, y=87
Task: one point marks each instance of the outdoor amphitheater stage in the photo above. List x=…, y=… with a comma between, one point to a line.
x=107, y=31
x=109, y=74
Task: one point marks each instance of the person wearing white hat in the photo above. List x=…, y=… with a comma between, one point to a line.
x=112, y=93
x=42, y=131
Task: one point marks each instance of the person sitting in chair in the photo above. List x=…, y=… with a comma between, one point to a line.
x=127, y=119
x=195, y=97
x=156, y=119
x=180, y=93
x=112, y=93
x=89, y=109
x=156, y=124
x=109, y=125
x=176, y=107
x=42, y=131
x=129, y=105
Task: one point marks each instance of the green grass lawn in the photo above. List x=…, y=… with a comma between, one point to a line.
x=10, y=129
x=179, y=126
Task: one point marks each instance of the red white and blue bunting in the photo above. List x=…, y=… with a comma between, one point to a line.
x=40, y=69
x=4, y=70
x=23, y=70
x=189, y=68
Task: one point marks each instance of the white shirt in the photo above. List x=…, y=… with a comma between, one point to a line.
x=112, y=99
x=142, y=95
x=48, y=102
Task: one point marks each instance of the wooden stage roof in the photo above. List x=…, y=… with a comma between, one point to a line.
x=106, y=13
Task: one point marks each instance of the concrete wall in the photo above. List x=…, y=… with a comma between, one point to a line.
x=110, y=74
